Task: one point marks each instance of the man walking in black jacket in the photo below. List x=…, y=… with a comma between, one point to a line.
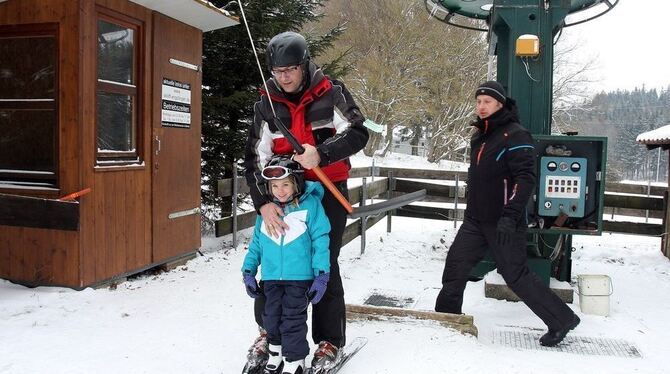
x=501, y=179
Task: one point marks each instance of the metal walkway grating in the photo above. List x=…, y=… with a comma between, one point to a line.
x=581, y=345
x=382, y=298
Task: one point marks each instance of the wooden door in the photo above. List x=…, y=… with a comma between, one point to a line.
x=176, y=138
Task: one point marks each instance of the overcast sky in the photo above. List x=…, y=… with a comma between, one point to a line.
x=631, y=44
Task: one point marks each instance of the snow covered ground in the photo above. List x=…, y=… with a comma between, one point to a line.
x=197, y=318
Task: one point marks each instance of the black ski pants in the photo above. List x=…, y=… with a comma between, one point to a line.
x=285, y=317
x=469, y=247
x=329, y=314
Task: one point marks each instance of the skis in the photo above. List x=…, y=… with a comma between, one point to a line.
x=255, y=366
x=257, y=356
x=256, y=363
x=347, y=353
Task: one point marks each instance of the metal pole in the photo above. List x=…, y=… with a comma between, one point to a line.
x=234, y=198
x=456, y=202
x=646, y=212
x=389, y=195
x=658, y=163
x=364, y=219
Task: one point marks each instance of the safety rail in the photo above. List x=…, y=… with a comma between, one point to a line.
x=641, y=201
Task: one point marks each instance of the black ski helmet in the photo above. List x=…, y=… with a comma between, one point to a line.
x=287, y=49
x=282, y=166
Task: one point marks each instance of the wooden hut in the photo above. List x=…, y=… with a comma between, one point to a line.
x=660, y=137
x=99, y=94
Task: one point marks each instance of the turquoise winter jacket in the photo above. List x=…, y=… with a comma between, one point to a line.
x=302, y=252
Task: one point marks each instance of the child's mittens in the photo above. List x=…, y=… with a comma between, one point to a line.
x=318, y=288
x=251, y=286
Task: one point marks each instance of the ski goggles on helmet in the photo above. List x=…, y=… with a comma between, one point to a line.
x=275, y=172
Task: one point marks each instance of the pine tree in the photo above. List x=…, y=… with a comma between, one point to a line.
x=231, y=79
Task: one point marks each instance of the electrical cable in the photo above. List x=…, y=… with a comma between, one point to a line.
x=525, y=63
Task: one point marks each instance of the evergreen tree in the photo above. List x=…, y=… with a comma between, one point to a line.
x=231, y=80
x=622, y=116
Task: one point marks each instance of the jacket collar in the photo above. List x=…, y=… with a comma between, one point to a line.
x=506, y=114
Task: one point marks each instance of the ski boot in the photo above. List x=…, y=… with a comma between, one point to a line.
x=325, y=357
x=257, y=356
x=294, y=367
x=275, y=360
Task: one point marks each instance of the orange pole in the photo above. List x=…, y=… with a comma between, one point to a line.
x=75, y=195
x=331, y=187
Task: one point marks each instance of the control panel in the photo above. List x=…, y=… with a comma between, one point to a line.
x=563, y=186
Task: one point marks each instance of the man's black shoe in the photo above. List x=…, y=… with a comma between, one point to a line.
x=553, y=337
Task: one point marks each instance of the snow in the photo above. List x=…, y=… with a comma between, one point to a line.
x=660, y=135
x=198, y=319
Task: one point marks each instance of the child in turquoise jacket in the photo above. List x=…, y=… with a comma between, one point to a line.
x=295, y=267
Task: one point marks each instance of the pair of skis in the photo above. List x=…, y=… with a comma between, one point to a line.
x=256, y=364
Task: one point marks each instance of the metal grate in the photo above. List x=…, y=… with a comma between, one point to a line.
x=571, y=344
x=379, y=298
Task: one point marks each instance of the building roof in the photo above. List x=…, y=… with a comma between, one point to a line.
x=655, y=138
x=197, y=13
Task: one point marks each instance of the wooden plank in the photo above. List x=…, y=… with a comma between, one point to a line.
x=428, y=212
x=353, y=230
x=634, y=202
x=360, y=172
x=432, y=189
x=225, y=226
x=634, y=189
x=225, y=187
x=637, y=228
x=373, y=189
x=461, y=322
x=424, y=173
x=40, y=213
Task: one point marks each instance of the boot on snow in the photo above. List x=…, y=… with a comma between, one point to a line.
x=294, y=367
x=275, y=360
x=257, y=355
x=325, y=357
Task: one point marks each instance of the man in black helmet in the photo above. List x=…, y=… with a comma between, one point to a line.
x=501, y=179
x=324, y=118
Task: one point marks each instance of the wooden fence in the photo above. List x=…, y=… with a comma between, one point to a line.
x=620, y=199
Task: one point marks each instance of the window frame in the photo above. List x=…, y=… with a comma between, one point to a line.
x=134, y=91
x=51, y=178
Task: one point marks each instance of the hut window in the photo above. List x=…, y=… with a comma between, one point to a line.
x=117, y=93
x=28, y=106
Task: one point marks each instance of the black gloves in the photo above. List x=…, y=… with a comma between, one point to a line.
x=506, y=227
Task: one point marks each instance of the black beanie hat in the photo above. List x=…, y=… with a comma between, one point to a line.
x=493, y=89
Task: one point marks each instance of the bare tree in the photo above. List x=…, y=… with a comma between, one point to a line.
x=409, y=72
x=573, y=77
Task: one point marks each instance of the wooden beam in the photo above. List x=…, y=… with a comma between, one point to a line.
x=423, y=173
x=353, y=230
x=225, y=187
x=637, y=228
x=373, y=189
x=225, y=226
x=24, y=211
x=461, y=322
x=634, y=202
x=639, y=189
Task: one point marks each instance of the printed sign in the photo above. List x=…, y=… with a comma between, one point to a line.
x=176, y=104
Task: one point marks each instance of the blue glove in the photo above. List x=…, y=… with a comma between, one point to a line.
x=318, y=288
x=251, y=286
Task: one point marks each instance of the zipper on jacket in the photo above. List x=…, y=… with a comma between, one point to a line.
x=281, y=258
x=505, y=190
x=481, y=150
